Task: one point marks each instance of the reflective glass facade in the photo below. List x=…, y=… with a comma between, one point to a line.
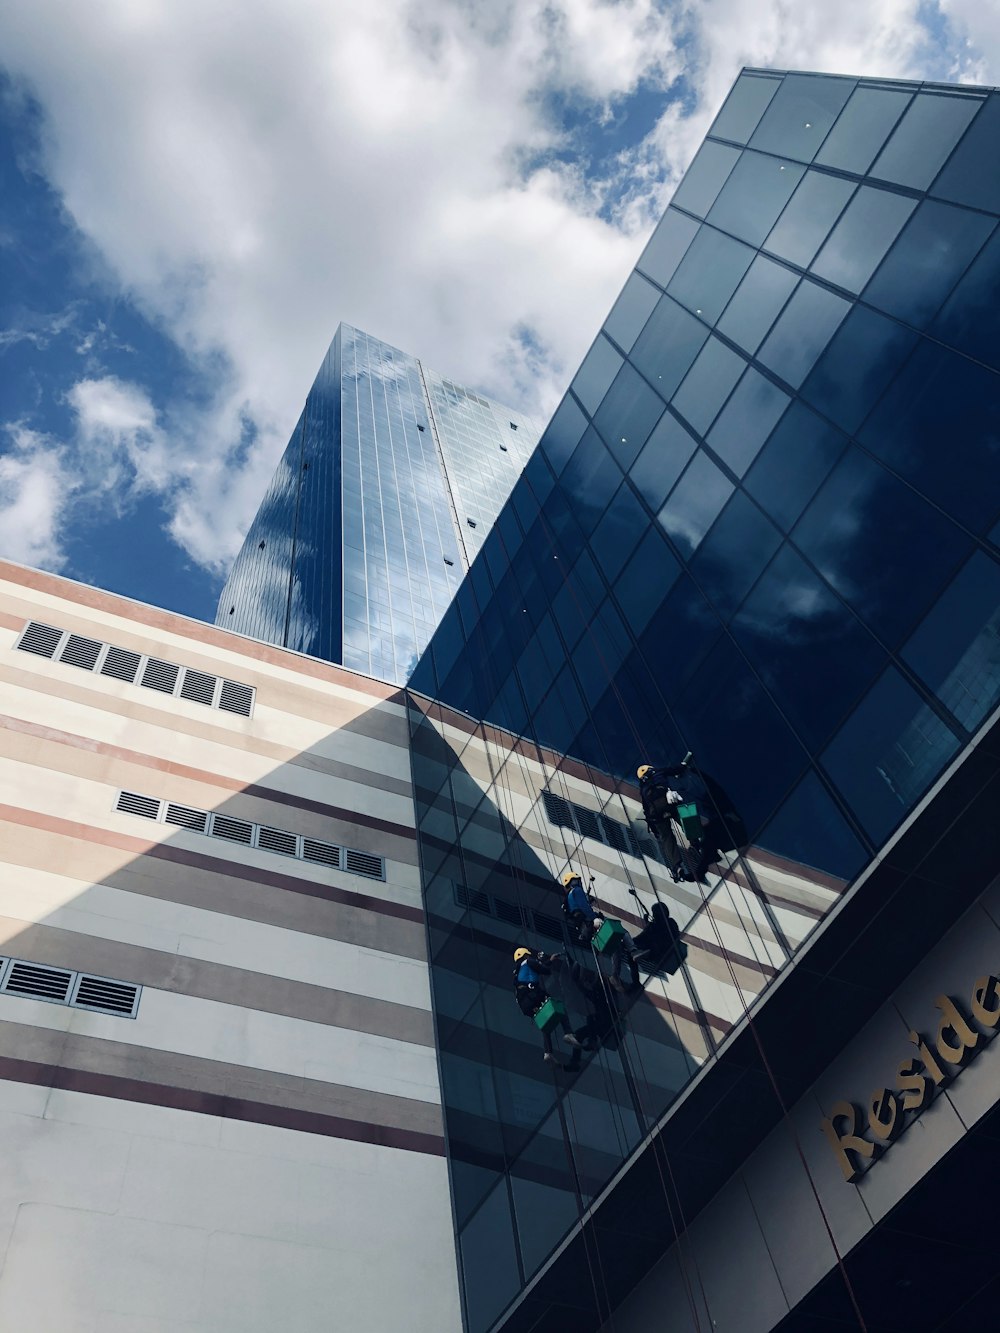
x=391, y=479
x=762, y=526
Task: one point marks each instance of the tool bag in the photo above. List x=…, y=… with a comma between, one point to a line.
x=550, y=1015
x=609, y=937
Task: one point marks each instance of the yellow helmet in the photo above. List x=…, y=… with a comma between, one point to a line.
x=521, y=953
x=642, y=770
x=568, y=878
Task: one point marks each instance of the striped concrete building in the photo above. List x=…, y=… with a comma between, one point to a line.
x=217, y=1064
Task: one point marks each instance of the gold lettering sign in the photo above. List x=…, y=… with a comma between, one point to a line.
x=857, y=1137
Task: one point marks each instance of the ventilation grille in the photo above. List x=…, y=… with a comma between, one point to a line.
x=153, y=673
x=57, y=985
x=567, y=814
x=261, y=836
x=549, y=926
x=511, y=914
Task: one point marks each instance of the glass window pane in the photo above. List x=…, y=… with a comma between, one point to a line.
x=647, y=579
x=887, y=754
x=850, y=377
x=685, y=617
x=600, y=366
x=970, y=176
x=603, y=649
x=970, y=319
x=871, y=223
x=806, y=325
x=734, y=553
x=628, y=413
x=744, y=107
x=886, y=551
x=667, y=245
x=747, y=420
x=808, y=216
x=799, y=117
x=810, y=829
x=956, y=650
x=708, y=384
x=757, y=303
x=663, y=460
x=931, y=126
x=710, y=272
x=793, y=464
x=489, y=1261
x=939, y=427
x=618, y=531
x=705, y=177
x=695, y=503
x=590, y=476
x=757, y=190
x=934, y=250
x=862, y=128
x=814, y=656
x=667, y=345
x=631, y=310
x=544, y=1211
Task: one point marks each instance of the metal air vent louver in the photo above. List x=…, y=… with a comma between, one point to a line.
x=557, y=810
x=105, y=996
x=199, y=687
x=473, y=899
x=121, y=664
x=35, y=981
x=509, y=912
x=277, y=840
x=131, y=803
x=614, y=834
x=586, y=822
x=183, y=816
x=80, y=652
x=323, y=853
x=159, y=675
x=549, y=927
x=236, y=698
x=361, y=863
x=233, y=830
x=39, y=639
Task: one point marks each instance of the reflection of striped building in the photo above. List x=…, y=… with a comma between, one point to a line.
x=231, y=1157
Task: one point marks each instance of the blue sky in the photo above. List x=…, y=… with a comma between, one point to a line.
x=192, y=202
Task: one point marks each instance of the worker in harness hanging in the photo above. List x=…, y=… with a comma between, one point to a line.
x=588, y=927
x=534, y=1001
x=660, y=937
x=675, y=804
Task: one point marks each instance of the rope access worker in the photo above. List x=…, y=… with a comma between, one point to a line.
x=585, y=921
x=602, y=1027
x=530, y=971
x=662, y=791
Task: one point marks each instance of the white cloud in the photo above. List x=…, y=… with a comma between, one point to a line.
x=34, y=489
x=253, y=175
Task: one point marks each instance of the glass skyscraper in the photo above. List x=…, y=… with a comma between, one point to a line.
x=386, y=490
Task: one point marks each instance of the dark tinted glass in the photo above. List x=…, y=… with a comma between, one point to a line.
x=800, y=115
x=810, y=829
x=710, y=272
x=744, y=107
x=544, y=1212
x=862, y=128
x=602, y=651
x=487, y=1245
x=935, y=248
x=931, y=126
x=812, y=654
x=667, y=245
x=878, y=544
x=684, y=618
x=663, y=460
x=939, y=427
x=887, y=753
x=705, y=177
x=746, y=421
x=695, y=503
x=757, y=190
x=956, y=650
x=871, y=223
x=631, y=310
x=708, y=384
x=970, y=176
x=618, y=531
x=733, y=555
x=864, y=355
x=590, y=476
x=757, y=303
x=793, y=464
x=628, y=413
x=808, y=216
x=667, y=345
x=591, y=382
x=803, y=330
x=646, y=580
x=970, y=319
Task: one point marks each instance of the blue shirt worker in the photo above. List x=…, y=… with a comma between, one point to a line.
x=530, y=971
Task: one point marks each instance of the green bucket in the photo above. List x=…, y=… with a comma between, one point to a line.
x=550, y=1015
x=609, y=936
x=690, y=821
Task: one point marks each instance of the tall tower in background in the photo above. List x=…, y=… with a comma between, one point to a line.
x=389, y=484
